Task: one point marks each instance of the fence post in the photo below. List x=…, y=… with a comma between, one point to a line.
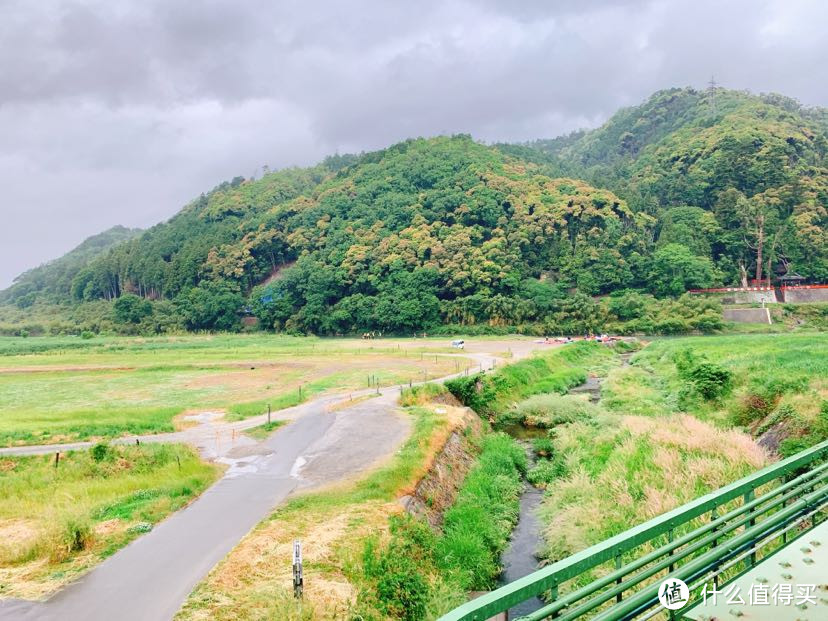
x=57, y=459
x=268, y=413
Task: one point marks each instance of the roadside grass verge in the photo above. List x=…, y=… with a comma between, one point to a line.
x=332, y=525
x=56, y=522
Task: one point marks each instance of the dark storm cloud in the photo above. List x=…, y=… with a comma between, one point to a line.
x=119, y=112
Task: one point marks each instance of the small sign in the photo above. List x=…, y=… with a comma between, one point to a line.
x=298, y=578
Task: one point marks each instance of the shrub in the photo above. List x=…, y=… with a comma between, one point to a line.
x=711, y=380
x=86, y=334
x=99, y=452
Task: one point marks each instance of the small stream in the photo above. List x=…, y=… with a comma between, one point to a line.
x=519, y=558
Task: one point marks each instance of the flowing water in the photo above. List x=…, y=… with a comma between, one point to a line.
x=519, y=558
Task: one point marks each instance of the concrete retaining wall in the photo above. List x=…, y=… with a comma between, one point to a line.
x=747, y=315
x=755, y=297
x=806, y=296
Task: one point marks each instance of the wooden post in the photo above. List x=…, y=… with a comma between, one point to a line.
x=137, y=442
x=268, y=413
x=57, y=459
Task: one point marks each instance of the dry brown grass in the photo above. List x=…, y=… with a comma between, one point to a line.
x=628, y=472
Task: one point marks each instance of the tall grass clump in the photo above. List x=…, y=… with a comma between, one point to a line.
x=418, y=573
x=422, y=394
x=548, y=411
x=477, y=528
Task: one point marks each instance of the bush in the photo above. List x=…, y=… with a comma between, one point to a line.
x=397, y=572
x=711, y=380
x=99, y=452
x=86, y=335
x=130, y=308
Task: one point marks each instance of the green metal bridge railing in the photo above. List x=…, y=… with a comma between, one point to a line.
x=716, y=537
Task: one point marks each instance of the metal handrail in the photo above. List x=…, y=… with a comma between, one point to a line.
x=769, y=505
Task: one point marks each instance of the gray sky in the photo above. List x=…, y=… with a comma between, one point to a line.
x=115, y=112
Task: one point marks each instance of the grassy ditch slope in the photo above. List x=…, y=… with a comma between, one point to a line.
x=494, y=395
x=609, y=465
x=58, y=521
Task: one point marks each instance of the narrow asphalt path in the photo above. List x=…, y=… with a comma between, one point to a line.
x=151, y=578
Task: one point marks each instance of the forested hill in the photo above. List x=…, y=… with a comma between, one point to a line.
x=53, y=280
x=690, y=189
x=719, y=169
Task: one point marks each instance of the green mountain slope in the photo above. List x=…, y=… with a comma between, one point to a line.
x=690, y=189
x=52, y=281
x=434, y=230
x=756, y=164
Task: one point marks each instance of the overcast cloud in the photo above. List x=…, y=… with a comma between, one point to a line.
x=115, y=112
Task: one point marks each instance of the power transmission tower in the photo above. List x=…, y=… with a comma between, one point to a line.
x=711, y=93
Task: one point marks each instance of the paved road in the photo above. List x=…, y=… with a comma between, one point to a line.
x=151, y=578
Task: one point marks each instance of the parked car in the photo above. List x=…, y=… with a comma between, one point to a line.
x=458, y=344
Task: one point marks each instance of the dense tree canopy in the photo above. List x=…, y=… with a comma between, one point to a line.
x=690, y=189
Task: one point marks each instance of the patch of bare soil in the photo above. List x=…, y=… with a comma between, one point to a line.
x=193, y=418
x=108, y=528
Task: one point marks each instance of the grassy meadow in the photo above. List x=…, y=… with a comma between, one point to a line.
x=55, y=389
x=56, y=522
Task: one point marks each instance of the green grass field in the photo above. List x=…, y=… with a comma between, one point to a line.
x=56, y=389
x=56, y=522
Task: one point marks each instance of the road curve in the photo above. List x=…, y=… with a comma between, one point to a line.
x=151, y=577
